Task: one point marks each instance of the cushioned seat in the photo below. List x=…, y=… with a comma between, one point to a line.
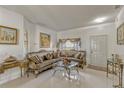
x=74, y=59
x=57, y=59
x=38, y=62
x=45, y=63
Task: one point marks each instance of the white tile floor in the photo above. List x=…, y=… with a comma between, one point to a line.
x=88, y=78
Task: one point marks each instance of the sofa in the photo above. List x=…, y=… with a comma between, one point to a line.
x=43, y=60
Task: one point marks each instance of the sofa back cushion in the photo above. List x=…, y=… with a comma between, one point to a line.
x=44, y=57
x=62, y=54
x=37, y=53
x=71, y=53
x=55, y=55
x=51, y=56
x=68, y=53
x=41, y=58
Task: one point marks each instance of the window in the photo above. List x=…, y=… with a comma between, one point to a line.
x=70, y=44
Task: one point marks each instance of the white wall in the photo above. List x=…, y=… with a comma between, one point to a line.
x=34, y=36
x=109, y=29
x=31, y=29
x=15, y=20
x=85, y=32
x=11, y=19
x=47, y=31
x=120, y=17
x=119, y=21
x=73, y=33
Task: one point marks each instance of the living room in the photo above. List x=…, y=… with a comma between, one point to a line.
x=58, y=28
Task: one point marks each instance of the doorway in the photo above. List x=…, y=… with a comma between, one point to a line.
x=98, y=50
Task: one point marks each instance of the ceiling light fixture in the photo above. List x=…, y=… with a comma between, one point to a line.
x=100, y=20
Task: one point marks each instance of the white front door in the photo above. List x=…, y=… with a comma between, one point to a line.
x=98, y=50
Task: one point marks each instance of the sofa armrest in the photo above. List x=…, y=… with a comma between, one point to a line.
x=32, y=65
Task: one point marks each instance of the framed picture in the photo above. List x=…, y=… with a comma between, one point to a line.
x=44, y=40
x=120, y=35
x=8, y=35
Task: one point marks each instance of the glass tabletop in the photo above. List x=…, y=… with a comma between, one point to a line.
x=69, y=71
x=70, y=65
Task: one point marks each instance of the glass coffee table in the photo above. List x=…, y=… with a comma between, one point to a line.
x=66, y=69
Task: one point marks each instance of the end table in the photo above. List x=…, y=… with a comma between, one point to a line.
x=23, y=66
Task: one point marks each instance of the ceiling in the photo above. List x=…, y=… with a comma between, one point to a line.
x=64, y=17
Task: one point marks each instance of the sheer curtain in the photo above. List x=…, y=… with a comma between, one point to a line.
x=70, y=44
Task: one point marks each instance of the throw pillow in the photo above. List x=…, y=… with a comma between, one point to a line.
x=48, y=56
x=45, y=57
x=41, y=59
x=55, y=55
x=81, y=56
x=70, y=54
x=51, y=56
x=77, y=55
x=59, y=53
x=34, y=59
x=62, y=54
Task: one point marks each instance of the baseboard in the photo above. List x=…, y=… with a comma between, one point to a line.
x=97, y=67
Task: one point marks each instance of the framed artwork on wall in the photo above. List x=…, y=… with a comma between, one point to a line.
x=8, y=35
x=45, y=40
x=120, y=35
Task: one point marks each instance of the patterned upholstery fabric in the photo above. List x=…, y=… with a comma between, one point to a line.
x=46, y=63
x=74, y=59
x=40, y=58
x=48, y=56
x=35, y=59
x=82, y=55
x=62, y=54
x=45, y=58
x=51, y=56
x=41, y=61
x=77, y=55
x=55, y=55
